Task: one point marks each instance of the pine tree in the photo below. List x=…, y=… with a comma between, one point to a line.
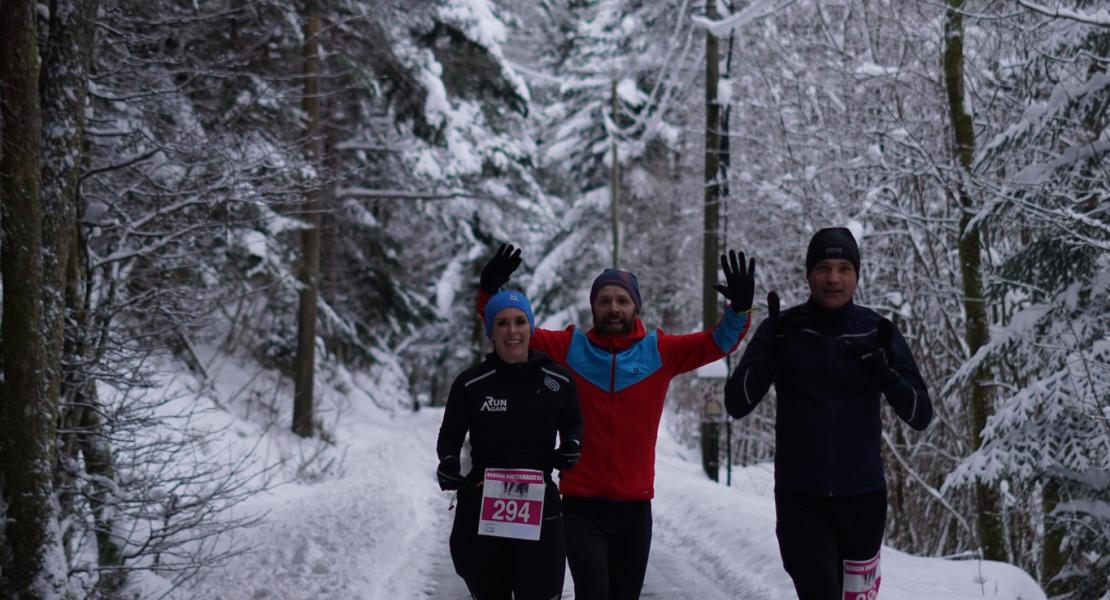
x=31, y=545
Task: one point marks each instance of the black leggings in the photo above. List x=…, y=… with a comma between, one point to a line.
x=817, y=534
x=607, y=546
x=496, y=568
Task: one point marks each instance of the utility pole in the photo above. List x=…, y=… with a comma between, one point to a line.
x=712, y=185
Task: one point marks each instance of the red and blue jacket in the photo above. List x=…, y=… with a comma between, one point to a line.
x=622, y=382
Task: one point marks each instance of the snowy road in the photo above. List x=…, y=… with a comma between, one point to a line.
x=381, y=532
x=378, y=531
x=675, y=572
x=678, y=570
x=669, y=576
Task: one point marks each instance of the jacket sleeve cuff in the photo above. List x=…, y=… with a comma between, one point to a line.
x=729, y=330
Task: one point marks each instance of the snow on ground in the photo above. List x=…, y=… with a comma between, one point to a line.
x=368, y=534
x=733, y=529
x=376, y=528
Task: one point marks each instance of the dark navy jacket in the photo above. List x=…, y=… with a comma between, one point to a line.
x=827, y=428
x=512, y=412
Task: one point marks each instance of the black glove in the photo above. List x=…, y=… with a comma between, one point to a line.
x=567, y=455
x=449, y=473
x=741, y=284
x=499, y=268
x=873, y=357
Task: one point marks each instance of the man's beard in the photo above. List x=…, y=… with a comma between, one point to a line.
x=605, y=327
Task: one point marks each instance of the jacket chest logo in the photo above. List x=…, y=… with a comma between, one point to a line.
x=495, y=405
x=551, y=383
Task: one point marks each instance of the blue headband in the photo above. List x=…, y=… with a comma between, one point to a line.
x=507, y=299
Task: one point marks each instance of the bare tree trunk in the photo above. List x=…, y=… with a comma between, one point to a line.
x=303, y=419
x=64, y=91
x=101, y=469
x=27, y=426
x=65, y=86
x=615, y=181
x=709, y=310
x=86, y=432
x=1054, y=557
x=989, y=524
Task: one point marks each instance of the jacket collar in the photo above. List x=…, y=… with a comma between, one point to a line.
x=820, y=313
x=535, y=359
x=617, y=343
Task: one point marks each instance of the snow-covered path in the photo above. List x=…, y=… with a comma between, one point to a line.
x=674, y=573
x=370, y=534
x=378, y=531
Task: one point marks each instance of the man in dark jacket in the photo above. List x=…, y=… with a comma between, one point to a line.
x=830, y=361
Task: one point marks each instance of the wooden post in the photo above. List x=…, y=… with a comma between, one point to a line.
x=305, y=362
x=710, y=310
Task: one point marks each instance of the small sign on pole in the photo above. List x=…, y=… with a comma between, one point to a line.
x=713, y=414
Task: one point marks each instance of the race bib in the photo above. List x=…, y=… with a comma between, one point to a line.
x=861, y=579
x=512, y=504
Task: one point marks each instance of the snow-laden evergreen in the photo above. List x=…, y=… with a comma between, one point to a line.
x=172, y=259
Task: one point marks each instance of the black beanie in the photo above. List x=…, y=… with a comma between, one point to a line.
x=832, y=242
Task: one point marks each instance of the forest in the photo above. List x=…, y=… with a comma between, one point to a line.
x=315, y=185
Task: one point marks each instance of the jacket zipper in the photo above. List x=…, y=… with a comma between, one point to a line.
x=612, y=401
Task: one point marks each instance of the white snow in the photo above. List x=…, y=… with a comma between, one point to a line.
x=756, y=10
x=714, y=370
x=630, y=93
x=376, y=528
x=734, y=528
x=448, y=286
x=870, y=69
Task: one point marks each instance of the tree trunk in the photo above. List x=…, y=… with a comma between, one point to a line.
x=710, y=311
x=303, y=418
x=88, y=432
x=615, y=182
x=989, y=524
x=27, y=426
x=1053, y=556
x=64, y=90
x=100, y=467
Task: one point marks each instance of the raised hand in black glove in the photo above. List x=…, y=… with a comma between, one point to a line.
x=740, y=288
x=499, y=268
x=873, y=357
x=449, y=473
x=567, y=455
x=783, y=325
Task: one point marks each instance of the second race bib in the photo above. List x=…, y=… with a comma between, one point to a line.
x=861, y=579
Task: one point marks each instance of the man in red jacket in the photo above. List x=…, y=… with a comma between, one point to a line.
x=622, y=373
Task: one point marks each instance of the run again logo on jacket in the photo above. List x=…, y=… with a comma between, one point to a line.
x=495, y=405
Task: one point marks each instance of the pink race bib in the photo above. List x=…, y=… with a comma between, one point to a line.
x=861, y=579
x=512, y=504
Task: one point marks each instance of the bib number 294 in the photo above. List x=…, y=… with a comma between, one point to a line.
x=511, y=510
x=512, y=504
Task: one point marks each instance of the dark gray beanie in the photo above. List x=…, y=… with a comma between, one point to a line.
x=832, y=242
x=621, y=279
